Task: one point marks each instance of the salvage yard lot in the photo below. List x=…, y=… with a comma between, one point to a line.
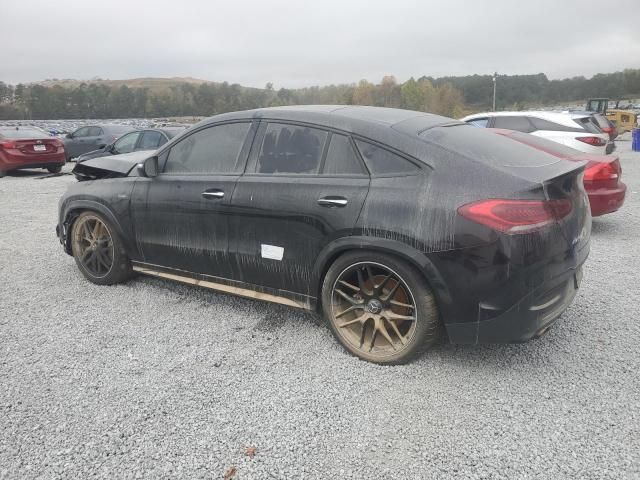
x=153, y=378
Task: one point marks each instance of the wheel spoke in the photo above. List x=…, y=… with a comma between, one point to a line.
x=350, y=309
x=374, y=334
x=379, y=288
x=383, y=330
x=360, y=280
x=87, y=232
x=96, y=230
x=103, y=260
x=393, y=291
x=371, y=277
x=355, y=320
x=400, y=304
x=348, y=298
x=349, y=285
x=395, y=316
x=85, y=255
x=397, y=332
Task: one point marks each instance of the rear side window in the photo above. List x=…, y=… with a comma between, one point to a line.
x=341, y=158
x=95, y=131
x=81, y=132
x=479, y=122
x=209, y=151
x=542, y=124
x=291, y=149
x=518, y=123
x=126, y=143
x=588, y=124
x=150, y=140
x=383, y=162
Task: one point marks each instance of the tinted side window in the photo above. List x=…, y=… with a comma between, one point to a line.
x=383, y=162
x=521, y=124
x=95, y=131
x=212, y=150
x=341, y=158
x=126, y=143
x=291, y=149
x=150, y=140
x=542, y=124
x=479, y=122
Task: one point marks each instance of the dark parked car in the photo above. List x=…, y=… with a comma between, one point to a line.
x=393, y=223
x=29, y=147
x=92, y=137
x=149, y=139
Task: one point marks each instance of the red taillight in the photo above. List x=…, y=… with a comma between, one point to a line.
x=57, y=143
x=604, y=175
x=516, y=216
x=7, y=144
x=595, y=141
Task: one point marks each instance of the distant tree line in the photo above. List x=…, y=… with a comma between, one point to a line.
x=519, y=91
x=450, y=96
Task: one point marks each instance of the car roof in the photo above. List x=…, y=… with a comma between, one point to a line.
x=548, y=115
x=354, y=119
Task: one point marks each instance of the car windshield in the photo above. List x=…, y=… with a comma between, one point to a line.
x=23, y=133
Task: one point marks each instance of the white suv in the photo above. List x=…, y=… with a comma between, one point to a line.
x=574, y=130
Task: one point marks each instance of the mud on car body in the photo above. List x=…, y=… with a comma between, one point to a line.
x=399, y=226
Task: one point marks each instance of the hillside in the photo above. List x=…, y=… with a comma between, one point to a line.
x=152, y=83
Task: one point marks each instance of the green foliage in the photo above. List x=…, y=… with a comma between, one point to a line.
x=450, y=96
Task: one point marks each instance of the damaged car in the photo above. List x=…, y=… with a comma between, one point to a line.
x=398, y=226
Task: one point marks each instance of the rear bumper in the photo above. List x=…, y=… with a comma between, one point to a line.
x=605, y=201
x=39, y=163
x=528, y=318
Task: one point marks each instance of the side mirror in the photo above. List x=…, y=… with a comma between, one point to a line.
x=148, y=168
x=101, y=146
x=69, y=135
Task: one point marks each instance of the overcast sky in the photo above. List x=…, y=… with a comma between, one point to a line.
x=301, y=43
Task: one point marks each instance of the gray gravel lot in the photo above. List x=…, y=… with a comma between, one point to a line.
x=153, y=379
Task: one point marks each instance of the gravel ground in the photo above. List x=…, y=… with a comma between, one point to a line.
x=153, y=379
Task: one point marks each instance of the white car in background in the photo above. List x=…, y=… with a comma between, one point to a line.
x=576, y=130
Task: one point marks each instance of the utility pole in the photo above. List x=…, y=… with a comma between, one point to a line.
x=495, y=75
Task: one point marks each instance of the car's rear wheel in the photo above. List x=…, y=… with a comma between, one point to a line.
x=3, y=173
x=379, y=307
x=98, y=250
x=55, y=168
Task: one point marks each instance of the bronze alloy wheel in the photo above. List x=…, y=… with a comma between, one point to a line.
x=92, y=245
x=373, y=310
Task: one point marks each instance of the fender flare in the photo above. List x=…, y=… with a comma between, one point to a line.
x=75, y=206
x=395, y=248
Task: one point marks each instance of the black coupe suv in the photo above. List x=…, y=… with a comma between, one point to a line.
x=398, y=225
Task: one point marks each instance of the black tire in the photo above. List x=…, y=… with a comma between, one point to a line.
x=411, y=337
x=3, y=173
x=55, y=168
x=116, y=267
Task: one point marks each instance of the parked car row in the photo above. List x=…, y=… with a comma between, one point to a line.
x=580, y=131
x=149, y=139
x=398, y=226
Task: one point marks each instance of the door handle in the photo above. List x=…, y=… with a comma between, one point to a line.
x=332, y=202
x=213, y=194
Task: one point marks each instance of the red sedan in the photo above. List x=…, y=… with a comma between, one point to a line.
x=601, y=175
x=29, y=147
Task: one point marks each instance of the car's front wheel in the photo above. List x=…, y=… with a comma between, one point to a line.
x=379, y=307
x=98, y=250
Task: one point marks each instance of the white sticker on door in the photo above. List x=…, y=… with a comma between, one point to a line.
x=272, y=252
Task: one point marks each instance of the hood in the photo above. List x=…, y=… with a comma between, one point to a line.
x=110, y=166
